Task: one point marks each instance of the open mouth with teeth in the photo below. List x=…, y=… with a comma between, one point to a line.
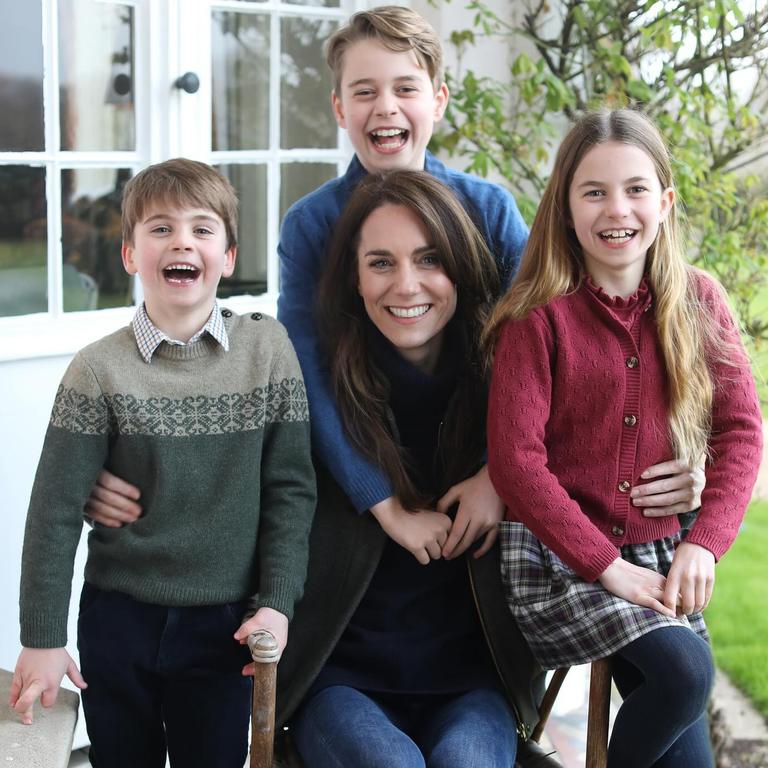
x=617, y=236
x=389, y=138
x=181, y=274
x=408, y=313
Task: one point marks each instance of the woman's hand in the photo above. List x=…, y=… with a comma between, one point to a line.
x=113, y=502
x=691, y=578
x=423, y=532
x=678, y=490
x=636, y=584
x=479, y=513
x=272, y=621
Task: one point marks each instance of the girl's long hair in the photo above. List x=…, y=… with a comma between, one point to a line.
x=361, y=388
x=553, y=265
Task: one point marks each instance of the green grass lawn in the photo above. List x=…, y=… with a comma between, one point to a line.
x=737, y=617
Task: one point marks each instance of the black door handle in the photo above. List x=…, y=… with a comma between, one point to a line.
x=188, y=82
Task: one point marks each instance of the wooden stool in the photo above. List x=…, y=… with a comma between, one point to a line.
x=263, y=648
x=597, y=716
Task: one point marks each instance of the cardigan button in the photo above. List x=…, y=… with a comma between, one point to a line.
x=624, y=486
x=617, y=530
x=630, y=420
x=226, y=313
x=256, y=316
x=632, y=362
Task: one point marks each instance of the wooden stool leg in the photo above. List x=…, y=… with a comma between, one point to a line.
x=264, y=652
x=597, y=720
x=547, y=702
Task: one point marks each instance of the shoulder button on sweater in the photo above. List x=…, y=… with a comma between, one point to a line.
x=256, y=316
x=226, y=313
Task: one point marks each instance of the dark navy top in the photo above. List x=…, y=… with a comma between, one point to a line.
x=416, y=629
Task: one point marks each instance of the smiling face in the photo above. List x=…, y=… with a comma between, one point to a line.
x=388, y=105
x=180, y=256
x=405, y=290
x=617, y=205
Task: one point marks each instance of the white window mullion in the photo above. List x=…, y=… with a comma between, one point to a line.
x=274, y=165
x=52, y=132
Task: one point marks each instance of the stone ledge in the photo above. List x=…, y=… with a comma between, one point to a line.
x=46, y=743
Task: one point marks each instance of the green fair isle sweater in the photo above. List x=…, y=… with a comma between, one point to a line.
x=218, y=443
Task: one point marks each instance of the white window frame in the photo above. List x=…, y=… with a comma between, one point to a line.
x=171, y=37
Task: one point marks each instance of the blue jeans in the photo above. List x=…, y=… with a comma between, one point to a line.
x=665, y=678
x=163, y=679
x=343, y=727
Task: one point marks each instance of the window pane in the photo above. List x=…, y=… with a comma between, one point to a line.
x=21, y=79
x=23, y=241
x=240, y=66
x=250, y=274
x=305, y=81
x=92, y=271
x=299, y=179
x=97, y=76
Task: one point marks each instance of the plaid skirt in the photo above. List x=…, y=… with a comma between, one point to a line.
x=567, y=620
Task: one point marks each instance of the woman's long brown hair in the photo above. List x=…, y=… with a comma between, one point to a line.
x=361, y=388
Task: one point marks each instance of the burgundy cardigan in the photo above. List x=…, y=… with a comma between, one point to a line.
x=578, y=410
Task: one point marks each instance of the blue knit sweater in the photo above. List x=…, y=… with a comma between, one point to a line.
x=306, y=232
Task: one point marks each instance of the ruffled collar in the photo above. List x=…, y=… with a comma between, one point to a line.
x=640, y=299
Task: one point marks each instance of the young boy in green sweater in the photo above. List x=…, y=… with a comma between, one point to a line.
x=205, y=411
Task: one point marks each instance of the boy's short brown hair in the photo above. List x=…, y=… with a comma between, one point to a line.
x=399, y=29
x=181, y=183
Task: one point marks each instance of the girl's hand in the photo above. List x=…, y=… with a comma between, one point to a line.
x=636, y=584
x=691, y=579
x=38, y=674
x=423, y=532
x=678, y=490
x=113, y=502
x=274, y=622
x=480, y=511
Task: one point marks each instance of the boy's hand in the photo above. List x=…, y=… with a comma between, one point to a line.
x=38, y=674
x=691, y=579
x=423, y=532
x=636, y=584
x=678, y=490
x=273, y=621
x=479, y=513
x=113, y=502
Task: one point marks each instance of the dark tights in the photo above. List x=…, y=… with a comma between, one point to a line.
x=665, y=678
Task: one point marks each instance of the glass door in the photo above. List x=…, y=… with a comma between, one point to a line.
x=98, y=89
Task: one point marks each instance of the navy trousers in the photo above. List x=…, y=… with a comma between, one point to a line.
x=163, y=680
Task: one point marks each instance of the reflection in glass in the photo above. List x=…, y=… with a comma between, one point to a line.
x=305, y=82
x=299, y=179
x=21, y=79
x=316, y=3
x=23, y=241
x=240, y=80
x=97, y=76
x=92, y=270
x=250, y=274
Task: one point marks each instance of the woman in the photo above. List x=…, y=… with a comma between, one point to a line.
x=387, y=660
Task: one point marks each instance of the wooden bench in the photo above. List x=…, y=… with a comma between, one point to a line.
x=47, y=743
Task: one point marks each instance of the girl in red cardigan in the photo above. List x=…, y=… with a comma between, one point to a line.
x=613, y=354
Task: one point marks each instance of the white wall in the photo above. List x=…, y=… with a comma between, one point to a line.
x=27, y=388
